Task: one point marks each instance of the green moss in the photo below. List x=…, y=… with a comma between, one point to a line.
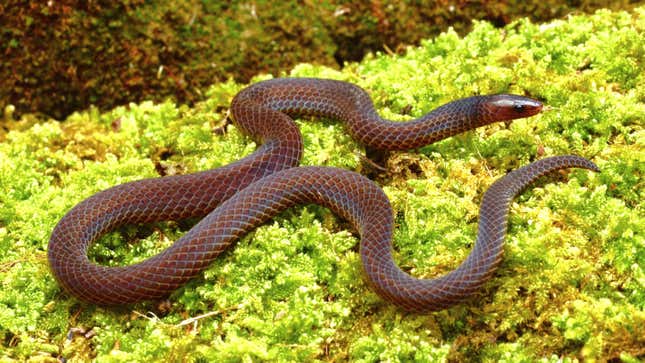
x=570, y=287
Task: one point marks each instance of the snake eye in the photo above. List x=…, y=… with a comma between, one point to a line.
x=518, y=107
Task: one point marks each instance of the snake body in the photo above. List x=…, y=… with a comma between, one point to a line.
x=237, y=198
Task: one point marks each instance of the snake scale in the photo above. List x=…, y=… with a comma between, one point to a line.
x=236, y=198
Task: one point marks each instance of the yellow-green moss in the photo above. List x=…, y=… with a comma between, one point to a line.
x=570, y=287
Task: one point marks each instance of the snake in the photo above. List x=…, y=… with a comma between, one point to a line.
x=237, y=198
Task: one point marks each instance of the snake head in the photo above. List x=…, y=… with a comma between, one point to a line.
x=510, y=107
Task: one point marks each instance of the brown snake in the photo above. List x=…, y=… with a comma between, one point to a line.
x=237, y=198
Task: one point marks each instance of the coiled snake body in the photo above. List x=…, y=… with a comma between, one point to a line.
x=239, y=197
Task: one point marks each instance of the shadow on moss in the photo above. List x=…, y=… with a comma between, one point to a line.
x=63, y=56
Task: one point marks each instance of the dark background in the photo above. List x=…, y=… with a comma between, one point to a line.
x=63, y=56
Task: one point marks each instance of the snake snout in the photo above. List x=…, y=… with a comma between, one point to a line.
x=510, y=107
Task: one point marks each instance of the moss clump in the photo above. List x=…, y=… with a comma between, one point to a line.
x=570, y=287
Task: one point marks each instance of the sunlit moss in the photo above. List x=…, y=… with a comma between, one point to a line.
x=571, y=284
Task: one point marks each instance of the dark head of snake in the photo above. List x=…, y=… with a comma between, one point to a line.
x=510, y=107
x=238, y=197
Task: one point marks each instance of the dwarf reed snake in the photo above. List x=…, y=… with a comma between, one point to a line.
x=237, y=198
